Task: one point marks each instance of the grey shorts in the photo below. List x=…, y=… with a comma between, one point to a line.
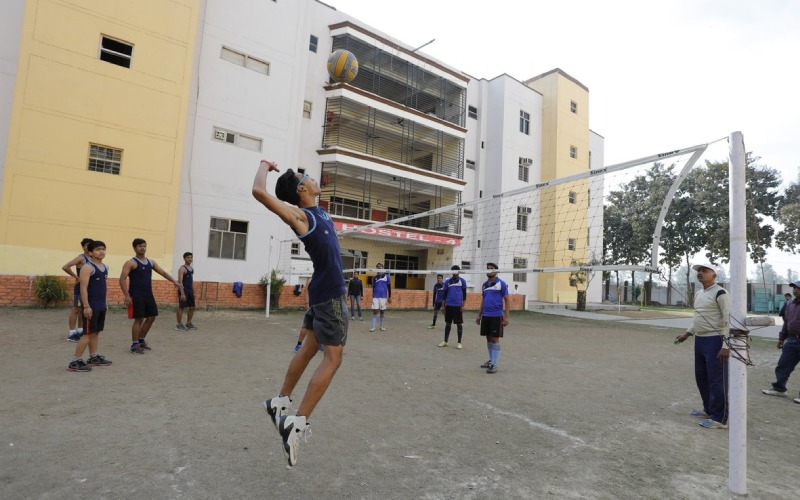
x=330, y=321
x=308, y=320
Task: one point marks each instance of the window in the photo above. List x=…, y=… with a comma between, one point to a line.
x=471, y=164
x=573, y=152
x=349, y=208
x=524, y=169
x=573, y=106
x=472, y=112
x=116, y=52
x=227, y=239
x=104, y=159
x=306, y=109
x=524, y=122
x=573, y=197
x=402, y=263
x=520, y=263
x=571, y=244
x=465, y=264
x=237, y=139
x=312, y=43
x=468, y=214
x=295, y=248
x=245, y=60
x=522, y=218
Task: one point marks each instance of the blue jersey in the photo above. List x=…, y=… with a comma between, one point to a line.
x=322, y=245
x=493, y=293
x=140, y=279
x=438, y=293
x=96, y=289
x=455, y=291
x=188, y=280
x=381, y=286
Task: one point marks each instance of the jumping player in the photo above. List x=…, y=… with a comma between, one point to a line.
x=186, y=278
x=493, y=315
x=295, y=202
x=139, y=272
x=92, y=283
x=74, y=334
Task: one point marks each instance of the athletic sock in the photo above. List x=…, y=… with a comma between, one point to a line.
x=374, y=319
x=460, y=331
x=494, y=352
x=447, y=332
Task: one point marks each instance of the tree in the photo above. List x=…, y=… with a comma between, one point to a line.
x=581, y=280
x=788, y=239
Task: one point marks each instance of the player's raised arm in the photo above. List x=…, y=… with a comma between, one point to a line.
x=292, y=216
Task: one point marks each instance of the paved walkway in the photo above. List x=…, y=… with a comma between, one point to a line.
x=678, y=323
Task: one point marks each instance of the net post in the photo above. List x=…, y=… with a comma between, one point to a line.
x=737, y=369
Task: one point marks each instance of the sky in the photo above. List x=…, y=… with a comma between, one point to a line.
x=661, y=75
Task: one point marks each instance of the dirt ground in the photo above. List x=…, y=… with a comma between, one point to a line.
x=578, y=409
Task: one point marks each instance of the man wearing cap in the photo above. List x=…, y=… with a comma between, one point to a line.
x=710, y=326
x=789, y=343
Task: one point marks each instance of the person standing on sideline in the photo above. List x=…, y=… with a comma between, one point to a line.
x=186, y=278
x=295, y=202
x=493, y=315
x=381, y=295
x=75, y=331
x=454, y=294
x=139, y=291
x=355, y=289
x=438, y=295
x=788, y=298
x=789, y=343
x=92, y=281
x=710, y=327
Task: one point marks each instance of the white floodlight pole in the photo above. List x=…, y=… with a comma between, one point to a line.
x=737, y=370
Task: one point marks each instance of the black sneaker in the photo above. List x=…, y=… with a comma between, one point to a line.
x=292, y=429
x=277, y=407
x=98, y=360
x=190, y=326
x=136, y=349
x=144, y=345
x=491, y=368
x=79, y=366
x=487, y=364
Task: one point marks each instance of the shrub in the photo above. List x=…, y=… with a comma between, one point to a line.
x=49, y=289
x=275, y=286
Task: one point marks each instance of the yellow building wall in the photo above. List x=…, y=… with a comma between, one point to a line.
x=65, y=99
x=561, y=128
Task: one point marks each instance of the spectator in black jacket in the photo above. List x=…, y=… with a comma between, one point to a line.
x=355, y=289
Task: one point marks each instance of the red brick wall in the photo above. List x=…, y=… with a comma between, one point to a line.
x=19, y=291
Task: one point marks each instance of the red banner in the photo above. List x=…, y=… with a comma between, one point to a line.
x=400, y=234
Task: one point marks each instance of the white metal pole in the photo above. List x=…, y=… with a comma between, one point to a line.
x=737, y=370
x=269, y=274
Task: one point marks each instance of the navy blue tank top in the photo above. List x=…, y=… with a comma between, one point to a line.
x=96, y=290
x=322, y=245
x=188, y=280
x=140, y=279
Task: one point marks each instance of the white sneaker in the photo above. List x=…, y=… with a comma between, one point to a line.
x=773, y=392
x=277, y=408
x=459, y=346
x=797, y=400
x=292, y=429
x=442, y=344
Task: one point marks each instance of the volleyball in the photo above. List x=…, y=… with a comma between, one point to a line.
x=342, y=65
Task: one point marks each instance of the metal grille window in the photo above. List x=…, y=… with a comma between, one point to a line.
x=402, y=263
x=573, y=106
x=524, y=122
x=573, y=152
x=573, y=197
x=571, y=244
x=295, y=248
x=104, y=159
x=349, y=208
x=238, y=139
x=520, y=263
x=471, y=164
x=116, y=52
x=245, y=60
x=472, y=112
x=313, y=41
x=468, y=214
x=227, y=239
x=466, y=264
x=522, y=218
x=524, y=169
x=306, y=109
